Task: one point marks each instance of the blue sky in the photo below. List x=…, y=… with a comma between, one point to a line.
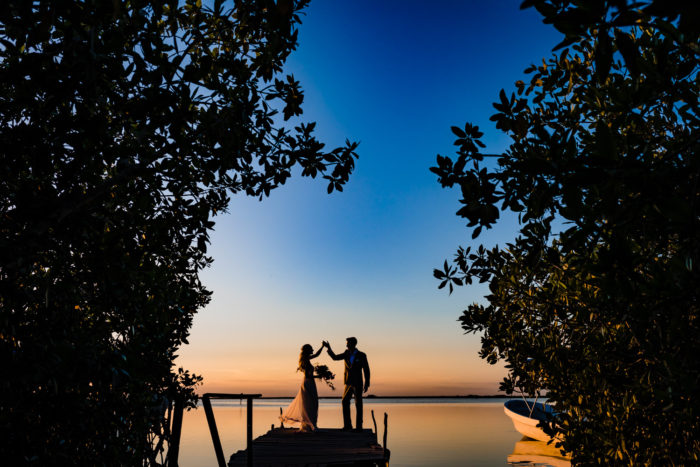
x=302, y=265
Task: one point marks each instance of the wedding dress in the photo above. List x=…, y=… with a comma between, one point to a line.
x=304, y=408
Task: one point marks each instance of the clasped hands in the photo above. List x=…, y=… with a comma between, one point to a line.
x=327, y=345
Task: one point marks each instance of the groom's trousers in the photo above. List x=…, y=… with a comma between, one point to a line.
x=347, y=395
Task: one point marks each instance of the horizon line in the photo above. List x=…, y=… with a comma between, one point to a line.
x=372, y=396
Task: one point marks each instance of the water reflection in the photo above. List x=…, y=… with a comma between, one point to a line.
x=443, y=432
x=530, y=452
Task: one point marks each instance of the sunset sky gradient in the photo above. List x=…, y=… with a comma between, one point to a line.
x=303, y=266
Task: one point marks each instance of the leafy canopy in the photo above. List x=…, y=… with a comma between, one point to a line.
x=125, y=127
x=595, y=302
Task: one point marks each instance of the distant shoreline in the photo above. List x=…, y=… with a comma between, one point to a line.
x=372, y=396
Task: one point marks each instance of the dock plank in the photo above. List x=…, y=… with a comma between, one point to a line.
x=290, y=447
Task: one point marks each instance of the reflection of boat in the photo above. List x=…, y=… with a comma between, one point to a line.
x=526, y=416
x=532, y=452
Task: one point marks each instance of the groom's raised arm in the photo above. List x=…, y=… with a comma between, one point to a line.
x=334, y=356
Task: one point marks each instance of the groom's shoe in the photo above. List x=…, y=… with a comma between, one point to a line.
x=358, y=430
x=347, y=428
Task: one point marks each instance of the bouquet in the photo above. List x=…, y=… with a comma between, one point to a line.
x=323, y=373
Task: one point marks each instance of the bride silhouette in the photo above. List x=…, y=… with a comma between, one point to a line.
x=304, y=407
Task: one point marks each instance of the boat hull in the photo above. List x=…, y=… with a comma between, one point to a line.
x=519, y=413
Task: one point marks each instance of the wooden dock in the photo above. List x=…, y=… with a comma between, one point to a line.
x=290, y=447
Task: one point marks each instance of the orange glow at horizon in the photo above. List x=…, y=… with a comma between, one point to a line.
x=396, y=370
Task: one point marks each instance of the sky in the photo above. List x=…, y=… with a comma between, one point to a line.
x=303, y=266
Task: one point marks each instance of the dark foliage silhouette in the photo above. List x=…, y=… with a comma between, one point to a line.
x=124, y=128
x=595, y=302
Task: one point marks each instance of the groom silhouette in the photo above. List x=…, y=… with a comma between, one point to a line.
x=355, y=365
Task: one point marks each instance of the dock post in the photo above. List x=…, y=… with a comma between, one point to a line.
x=212, y=423
x=249, y=443
x=176, y=431
x=376, y=432
x=386, y=429
x=214, y=432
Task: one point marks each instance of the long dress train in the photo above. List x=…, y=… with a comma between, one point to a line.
x=304, y=408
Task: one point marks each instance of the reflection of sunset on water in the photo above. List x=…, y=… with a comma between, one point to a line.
x=421, y=432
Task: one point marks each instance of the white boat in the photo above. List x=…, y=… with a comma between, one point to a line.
x=526, y=416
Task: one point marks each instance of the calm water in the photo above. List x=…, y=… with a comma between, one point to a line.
x=422, y=432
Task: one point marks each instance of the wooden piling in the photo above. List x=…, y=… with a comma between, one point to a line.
x=212, y=423
x=386, y=430
x=175, y=432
